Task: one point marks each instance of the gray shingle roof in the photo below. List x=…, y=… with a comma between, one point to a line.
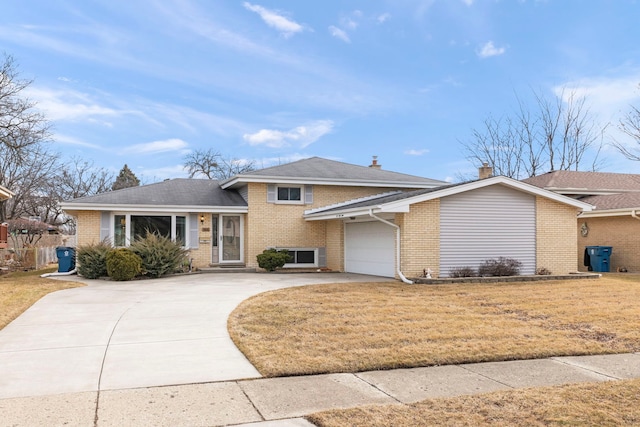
x=384, y=199
x=614, y=201
x=320, y=168
x=597, y=181
x=174, y=192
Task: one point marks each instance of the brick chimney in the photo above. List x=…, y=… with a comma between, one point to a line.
x=374, y=163
x=485, y=171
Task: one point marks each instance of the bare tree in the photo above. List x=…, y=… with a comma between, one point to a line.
x=557, y=134
x=28, y=172
x=28, y=168
x=74, y=179
x=20, y=124
x=630, y=126
x=26, y=232
x=211, y=164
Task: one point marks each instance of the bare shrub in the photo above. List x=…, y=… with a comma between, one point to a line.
x=463, y=272
x=500, y=267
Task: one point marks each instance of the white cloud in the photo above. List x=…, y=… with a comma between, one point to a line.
x=273, y=19
x=383, y=18
x=69, y=105
x=70, y=140
x=301, y=136
x=339, y=34
x=414, y=152
x=488, y=50
x=608, y=98
x=163, y=146
x=349, y=24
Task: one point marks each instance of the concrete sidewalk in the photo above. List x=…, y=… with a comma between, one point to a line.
x=280, y=402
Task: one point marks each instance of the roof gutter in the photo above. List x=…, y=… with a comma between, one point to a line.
x=397, y=227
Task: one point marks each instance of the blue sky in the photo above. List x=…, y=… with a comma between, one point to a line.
x=146, y=82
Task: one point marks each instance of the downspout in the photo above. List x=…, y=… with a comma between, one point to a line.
x=634, y=215
x=65, y=273
x=397, y=227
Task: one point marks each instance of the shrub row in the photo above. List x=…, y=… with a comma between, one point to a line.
x=151, y=256
x=492, y=267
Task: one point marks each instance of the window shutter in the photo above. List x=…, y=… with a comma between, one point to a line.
x=105, y=226
x=193, y=231
x=271, y=193
x=308, y=194
x=322, y=257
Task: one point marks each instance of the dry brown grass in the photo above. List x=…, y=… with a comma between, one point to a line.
x=369, y=326
x=603, y=404
x=20, y=290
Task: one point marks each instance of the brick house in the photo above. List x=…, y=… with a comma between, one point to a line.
x=615, y=219
x=343, y=217
x=5, y=194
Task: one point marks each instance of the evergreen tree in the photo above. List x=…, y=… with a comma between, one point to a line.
x=126, y=178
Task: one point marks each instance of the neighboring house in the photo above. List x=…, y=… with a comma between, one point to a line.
x=5, y=194
x=343, y=217
x=615, y=219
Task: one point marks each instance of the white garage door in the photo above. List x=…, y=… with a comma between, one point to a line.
x=370, y=248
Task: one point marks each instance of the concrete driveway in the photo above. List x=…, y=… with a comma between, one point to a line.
x=121, y=335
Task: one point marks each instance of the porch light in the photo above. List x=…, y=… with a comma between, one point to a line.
x=201, y=219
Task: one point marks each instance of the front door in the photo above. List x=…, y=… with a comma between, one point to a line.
x=231, y=236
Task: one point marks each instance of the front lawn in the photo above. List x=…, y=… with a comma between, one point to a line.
x=369, y=326
x=612, y=404
x=20, y=290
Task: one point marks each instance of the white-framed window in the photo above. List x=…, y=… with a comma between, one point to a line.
x=290, y=194
x=130, y=226
x=301, y=257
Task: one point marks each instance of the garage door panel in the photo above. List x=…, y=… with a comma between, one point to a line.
x=369, y=248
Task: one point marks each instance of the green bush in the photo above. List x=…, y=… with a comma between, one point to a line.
x=92, y=260
x=160, y=255
x=270, y=259
x=500, y=267
x=123, y=264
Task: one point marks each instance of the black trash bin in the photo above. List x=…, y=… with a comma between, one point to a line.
x=599, y=258
x=66, y=259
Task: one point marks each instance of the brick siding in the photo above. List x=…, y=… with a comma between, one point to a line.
x=619, y=232
x=556, y=236
x=282, y=225
x=88, y=227
x=420, y=238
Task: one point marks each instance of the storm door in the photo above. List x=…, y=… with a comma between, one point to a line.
x=231, y=235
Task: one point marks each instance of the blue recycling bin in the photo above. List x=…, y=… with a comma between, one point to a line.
x=66, y=259
x=599, y=258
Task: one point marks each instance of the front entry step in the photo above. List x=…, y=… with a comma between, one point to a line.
x=231, y=268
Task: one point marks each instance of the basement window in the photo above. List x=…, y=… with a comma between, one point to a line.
x=301, y=257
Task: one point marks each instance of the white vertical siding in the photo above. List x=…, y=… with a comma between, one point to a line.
x=487, y=223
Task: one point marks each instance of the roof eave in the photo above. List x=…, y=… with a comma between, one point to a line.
x=245, y=179
x=404, y=204
x=355, y=212
x=600, y=213
x=76, y=207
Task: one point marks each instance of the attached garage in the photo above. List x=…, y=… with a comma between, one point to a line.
x=460, y=225
x=369, y=248
x=487, y=223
